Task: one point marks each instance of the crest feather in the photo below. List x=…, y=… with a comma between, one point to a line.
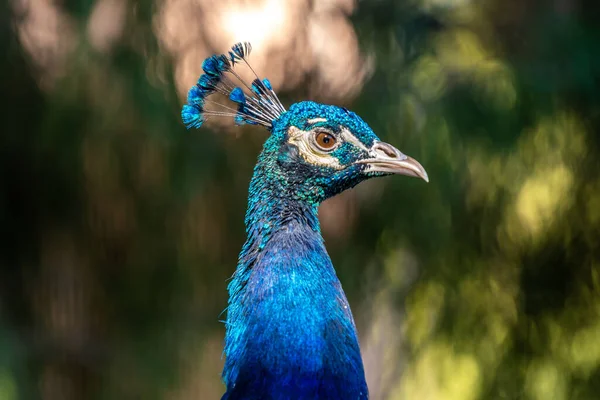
x=260, y=106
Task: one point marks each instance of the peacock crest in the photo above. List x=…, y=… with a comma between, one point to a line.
x=255, y=103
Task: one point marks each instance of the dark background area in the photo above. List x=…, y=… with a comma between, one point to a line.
x=119, y=228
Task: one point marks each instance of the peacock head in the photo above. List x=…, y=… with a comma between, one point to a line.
x=315, y=151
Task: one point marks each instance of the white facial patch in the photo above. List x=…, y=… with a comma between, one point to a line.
x=303, y=141
x=347, y=136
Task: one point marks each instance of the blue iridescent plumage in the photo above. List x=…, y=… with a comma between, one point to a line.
x=196, y=96
x=260, y=107
x=240, y=51
x=267, y=84
x=207, y=83
x=192, y=116
x=237, y=96
x=290, y=331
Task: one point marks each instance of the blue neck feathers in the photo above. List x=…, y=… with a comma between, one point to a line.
x=290, y=332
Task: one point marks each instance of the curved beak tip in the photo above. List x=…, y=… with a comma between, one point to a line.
x=412, y=167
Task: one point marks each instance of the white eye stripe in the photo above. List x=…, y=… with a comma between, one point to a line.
x=350, y=138
x=315, y=120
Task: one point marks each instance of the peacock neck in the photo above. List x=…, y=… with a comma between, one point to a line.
x=273, y=204
x=290, y=332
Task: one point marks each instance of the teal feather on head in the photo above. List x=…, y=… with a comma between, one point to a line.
x=210, y=66
x=267, y=84
x=192, y=116
x=289, y=332
x=260, y=107
x=196, y=97
x=240, y=51
x=237, y=96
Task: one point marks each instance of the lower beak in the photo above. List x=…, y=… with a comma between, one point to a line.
x=388, y=159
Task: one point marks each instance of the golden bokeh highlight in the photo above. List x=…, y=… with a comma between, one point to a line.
x=482, y=284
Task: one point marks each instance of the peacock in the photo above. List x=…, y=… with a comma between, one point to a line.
x=290, y=333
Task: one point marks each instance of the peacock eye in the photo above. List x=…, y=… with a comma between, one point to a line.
x=325, y=141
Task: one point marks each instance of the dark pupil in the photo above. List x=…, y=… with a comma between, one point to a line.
x=325, y=140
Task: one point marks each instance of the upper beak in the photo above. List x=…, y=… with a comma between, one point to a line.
x=387, y=158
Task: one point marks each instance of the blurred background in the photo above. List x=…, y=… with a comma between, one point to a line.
x=119, y=228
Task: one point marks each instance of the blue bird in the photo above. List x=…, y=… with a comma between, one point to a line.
x=290, y=333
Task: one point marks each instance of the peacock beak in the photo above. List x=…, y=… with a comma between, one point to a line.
x=386, y=158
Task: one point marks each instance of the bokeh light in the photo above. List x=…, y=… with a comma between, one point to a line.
x=121, y=228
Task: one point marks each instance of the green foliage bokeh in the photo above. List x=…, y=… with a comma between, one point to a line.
x=120, y=228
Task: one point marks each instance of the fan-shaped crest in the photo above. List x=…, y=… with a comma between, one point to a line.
x=258, y=106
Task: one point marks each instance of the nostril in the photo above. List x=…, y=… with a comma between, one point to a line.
x=386, y=149
x=389, y=152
